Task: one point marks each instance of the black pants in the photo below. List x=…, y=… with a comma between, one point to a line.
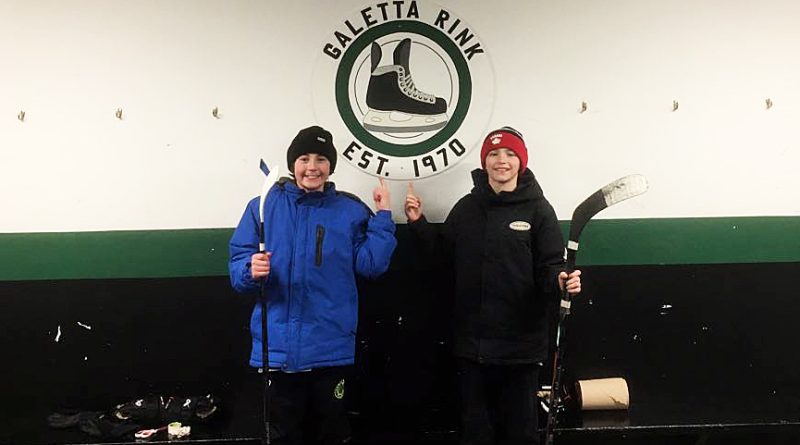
x=498, y=403
x=308, y=407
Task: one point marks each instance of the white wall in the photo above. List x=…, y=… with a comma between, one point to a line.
x=73, y=166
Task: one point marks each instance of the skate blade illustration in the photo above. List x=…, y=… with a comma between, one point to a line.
x=399, y=122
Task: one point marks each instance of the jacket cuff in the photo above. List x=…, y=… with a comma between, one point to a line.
x=418, y=223
x=247, y=276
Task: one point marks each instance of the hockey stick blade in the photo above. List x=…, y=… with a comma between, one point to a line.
x=613, y=193
x=272, y=177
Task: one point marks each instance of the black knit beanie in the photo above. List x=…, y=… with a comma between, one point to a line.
x=311, y=140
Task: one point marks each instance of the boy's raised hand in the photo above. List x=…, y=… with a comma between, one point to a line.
x=381, y=195
x=413, y=206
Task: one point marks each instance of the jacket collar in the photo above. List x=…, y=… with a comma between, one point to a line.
x=290, y=186
x=528, y=188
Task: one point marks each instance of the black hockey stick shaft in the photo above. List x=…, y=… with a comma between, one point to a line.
x=580, y=217
x=264, y=348
x=554, y=398
x=272, y=176
x=613, y=193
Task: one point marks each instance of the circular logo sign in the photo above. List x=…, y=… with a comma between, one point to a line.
x=409, y=84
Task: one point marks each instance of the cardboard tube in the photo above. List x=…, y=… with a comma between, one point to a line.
x=599, y=394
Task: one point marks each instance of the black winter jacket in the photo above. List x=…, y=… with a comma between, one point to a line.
x=506, y=251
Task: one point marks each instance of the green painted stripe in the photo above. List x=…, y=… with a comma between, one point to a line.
x=770, y=239
x=204, y=252
x=118, y=254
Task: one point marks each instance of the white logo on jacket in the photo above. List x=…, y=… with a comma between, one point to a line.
x=520, y=226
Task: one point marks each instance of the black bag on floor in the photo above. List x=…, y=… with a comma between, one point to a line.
x=128, y=417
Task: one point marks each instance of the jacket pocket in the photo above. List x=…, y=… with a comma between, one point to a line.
x=320, y=238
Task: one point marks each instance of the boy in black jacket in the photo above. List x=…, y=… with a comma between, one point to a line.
x=506, y=249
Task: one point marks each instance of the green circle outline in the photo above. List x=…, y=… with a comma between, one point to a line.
x=343, y=100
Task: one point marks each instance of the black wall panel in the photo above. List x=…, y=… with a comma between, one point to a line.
x=698, y=345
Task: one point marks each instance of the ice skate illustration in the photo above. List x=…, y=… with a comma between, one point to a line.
x=395, y=104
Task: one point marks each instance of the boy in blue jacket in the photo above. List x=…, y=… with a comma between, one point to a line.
x=317, y=240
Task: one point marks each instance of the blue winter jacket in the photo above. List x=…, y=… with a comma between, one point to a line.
x=319, y=242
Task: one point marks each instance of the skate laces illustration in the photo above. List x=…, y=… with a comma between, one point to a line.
x=395, y=104
x=407, y=85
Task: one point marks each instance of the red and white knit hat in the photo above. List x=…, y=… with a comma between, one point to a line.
x=509, y=138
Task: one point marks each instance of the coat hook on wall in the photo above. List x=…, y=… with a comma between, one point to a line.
x=118, y=113
x=215, y=112
x=584, y=107
x=675, y=105
x=21, y=116
x=769, y=103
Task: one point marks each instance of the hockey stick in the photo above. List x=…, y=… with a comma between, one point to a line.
x=272, y=176
x=613, y=193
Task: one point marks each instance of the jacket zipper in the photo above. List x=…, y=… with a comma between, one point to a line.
x=289, y=325
x=481, y=316
x=320, y=237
